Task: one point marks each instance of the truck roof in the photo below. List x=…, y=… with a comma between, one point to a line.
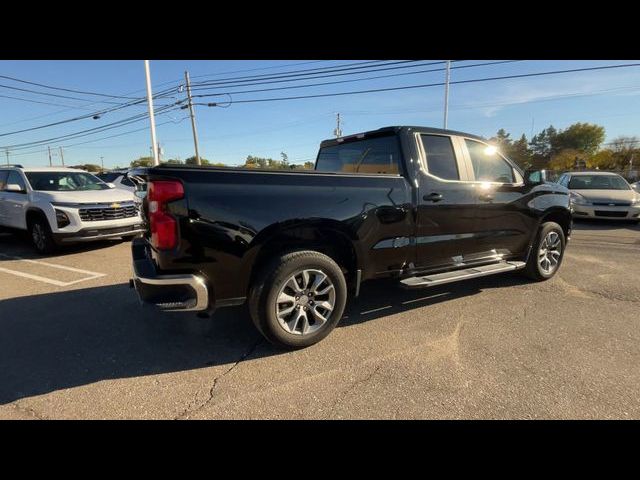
x=396, y=129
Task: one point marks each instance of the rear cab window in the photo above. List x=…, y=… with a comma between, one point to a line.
x=440, y=156
x=379, y=155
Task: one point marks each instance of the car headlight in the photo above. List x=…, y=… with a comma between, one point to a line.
x=636, y=202
x=578, y=199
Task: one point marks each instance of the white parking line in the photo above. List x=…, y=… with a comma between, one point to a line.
x=91, y=275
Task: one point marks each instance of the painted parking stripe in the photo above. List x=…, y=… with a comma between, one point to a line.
x=91, y=275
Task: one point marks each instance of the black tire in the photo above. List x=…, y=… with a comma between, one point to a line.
x=40, y=235
x=533, y=270
x=267, y=286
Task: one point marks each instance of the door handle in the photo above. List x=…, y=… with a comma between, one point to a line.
x=486, y=197
x=432, y=197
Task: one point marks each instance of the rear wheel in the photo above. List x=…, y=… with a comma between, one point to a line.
x=40, y=235
x=547, y=252
x=298, y=299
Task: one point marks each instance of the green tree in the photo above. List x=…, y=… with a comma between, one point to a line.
x=584, y=137
x=602, y=160
x=519, y=152
x=192, y=161
x=543, y=144
x=285, y=159
x=89, y=167
x=502, y=141
x=566, y=159
x=142, y=162
x=309, y=165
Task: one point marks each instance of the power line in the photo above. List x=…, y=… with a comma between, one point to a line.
x=50, y=94
x=91, y=131
x=268, y=79
x=426, y=85
x=38, y=101
x=63, y=89
x=83, y=117
x=258, y=69
x=357, y=79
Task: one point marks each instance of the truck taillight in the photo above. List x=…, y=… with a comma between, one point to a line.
x=164, y=227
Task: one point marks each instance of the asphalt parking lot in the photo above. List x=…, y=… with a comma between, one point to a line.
x=75, y=343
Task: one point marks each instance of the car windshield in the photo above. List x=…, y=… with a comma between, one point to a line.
x=64, y=181
x=598, y=182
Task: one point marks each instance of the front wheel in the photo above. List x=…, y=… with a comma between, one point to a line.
x=41, y=236
x=547, y=252
x=299, y=299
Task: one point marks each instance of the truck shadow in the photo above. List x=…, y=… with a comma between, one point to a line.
x=18, y=244
x=77, y=337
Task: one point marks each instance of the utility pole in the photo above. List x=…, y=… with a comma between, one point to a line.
x=154, y=143
x=446, y=94
x=61, y=156
x=6, y=150
x=50, y=163
x=102, y=163
x=337, y=132
x=193, y=117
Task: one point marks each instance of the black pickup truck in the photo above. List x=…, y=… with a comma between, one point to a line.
x=423, y=205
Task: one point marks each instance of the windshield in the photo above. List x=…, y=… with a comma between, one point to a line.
x=64, y=181
x=598, y=182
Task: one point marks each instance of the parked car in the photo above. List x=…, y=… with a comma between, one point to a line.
x=64, y=205
x=602, y=195
x=422, y=205
x=119, y=179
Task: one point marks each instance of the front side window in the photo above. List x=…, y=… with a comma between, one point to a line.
x=3, y=178
x=375, y=155
x=441, y=159
x=14, y=178
x=488, y=165
x=65, y=181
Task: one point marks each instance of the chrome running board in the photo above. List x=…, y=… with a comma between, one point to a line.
x=457, y=275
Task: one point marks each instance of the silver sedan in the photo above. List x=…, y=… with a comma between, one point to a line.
x=601, y=195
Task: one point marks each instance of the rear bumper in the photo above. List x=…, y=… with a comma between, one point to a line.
x=172, y=293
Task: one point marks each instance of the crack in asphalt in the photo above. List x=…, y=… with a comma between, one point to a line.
x=191, y=410
x=352, y=387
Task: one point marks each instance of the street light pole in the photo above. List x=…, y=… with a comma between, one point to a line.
x=50, y=163
x=154, y=144
x=446, y=94
x=62, y=156
x=193, y=117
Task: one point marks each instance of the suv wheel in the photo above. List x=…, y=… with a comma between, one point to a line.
x=299, y=299
x=40, y=235
x=547, y=252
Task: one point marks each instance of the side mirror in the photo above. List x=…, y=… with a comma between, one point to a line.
x=535, y=177
x=111, y=185
x=15, y=188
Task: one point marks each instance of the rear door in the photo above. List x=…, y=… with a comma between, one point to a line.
x=503, y=219
x=446, y=218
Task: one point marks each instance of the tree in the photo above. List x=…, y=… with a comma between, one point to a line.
x=309, y=165
x=584, y=137
x=602, y=160
x=542, y=144
x=173, y=161
x=142, y=162
x=566, y=159
x=285, y=159
x=89, y=167
x=502, y=140
x=192, y=161
x=519, y=152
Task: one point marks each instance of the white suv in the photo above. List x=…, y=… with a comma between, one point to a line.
x=65, y=205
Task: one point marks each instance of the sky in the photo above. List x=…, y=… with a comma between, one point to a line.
x=230, y=132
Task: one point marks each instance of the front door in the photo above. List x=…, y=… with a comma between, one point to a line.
x=15, y=203
x=446, y=233
x=504, y=220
